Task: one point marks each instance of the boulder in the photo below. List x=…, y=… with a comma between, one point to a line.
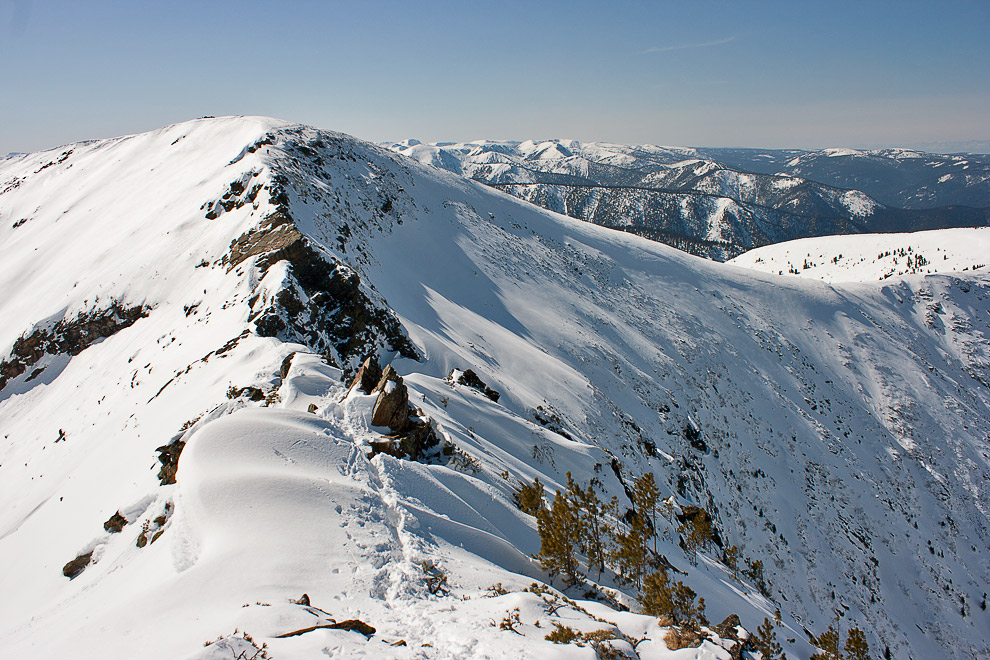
x=77, y=565
x=115, y=523
x=469, y=378
x=368, y=376
x=392, y=405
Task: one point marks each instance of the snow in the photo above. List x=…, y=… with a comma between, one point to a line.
x=844, y=424
x=872, y=257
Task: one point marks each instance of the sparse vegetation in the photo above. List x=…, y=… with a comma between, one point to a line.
x=436, y=579
x=765, y=639
x=529, y=498
x=672, y=600
x=562, y=634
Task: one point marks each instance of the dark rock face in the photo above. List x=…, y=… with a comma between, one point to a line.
x=411, y=445
x=168, y=456
x=68, y=336
x=77, y=565
x=327, y=310
x=471, y=379
x=115, y=523
x=367, y=376
x=727, y=632
x=392, y=406
x=283, y=371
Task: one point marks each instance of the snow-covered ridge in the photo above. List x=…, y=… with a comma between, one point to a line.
x=834, y=433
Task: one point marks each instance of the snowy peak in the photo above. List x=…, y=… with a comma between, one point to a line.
x=713, y=203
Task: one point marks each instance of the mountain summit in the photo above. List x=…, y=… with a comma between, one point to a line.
x=267, y=384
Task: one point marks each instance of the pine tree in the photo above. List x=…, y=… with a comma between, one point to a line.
x=660, y=597
x=754, y=570
x=646, y=500
x=856, y=646
x=730, y=557
x=699, y=532
x=596, y=534
x=529, y=499
x=558, y=528
x=630, y=552
x=765, y=641
x=656, y=598
x=827, y=644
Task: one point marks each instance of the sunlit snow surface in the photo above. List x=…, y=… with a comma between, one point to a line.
x=846, y=426
x=873, y=257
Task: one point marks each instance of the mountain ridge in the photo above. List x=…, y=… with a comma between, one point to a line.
x=809, y=401
x=657, y=191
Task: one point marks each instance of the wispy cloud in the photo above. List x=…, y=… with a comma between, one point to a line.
x=703, y=44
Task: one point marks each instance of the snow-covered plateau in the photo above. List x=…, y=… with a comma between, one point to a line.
x=873, y=257
x=183, y=455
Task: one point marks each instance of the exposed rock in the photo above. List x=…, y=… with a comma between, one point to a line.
x=732, y=641
x=693, y=435
x=727, y=629
x=77, y=565
x=682, y=638
x=355, y=625
x=168, y=456
x=312, y=408
x=302, y=600
x=68, y=336
x=690, y=512
x=253, y=393
x=392, y=405
x=368, y=376
x=283, y=371
x=327, y=310
x=410, y=445
x=115, y=523
x=471, y=379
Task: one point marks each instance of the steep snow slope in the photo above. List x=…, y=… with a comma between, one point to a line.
x=838, y=434
x=874, y=256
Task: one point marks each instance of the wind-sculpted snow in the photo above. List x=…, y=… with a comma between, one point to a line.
x=836, y=433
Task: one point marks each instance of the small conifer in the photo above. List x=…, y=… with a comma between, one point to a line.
x=856, y=646
x=530, y=497
x=765, y=641
x=559, y=536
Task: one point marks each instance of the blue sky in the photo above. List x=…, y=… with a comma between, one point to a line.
x=769, y=74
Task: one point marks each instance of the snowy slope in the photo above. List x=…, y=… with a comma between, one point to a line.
x=836, y=433
x=872, y=257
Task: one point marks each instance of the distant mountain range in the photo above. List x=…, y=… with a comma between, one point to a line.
x=718, y=203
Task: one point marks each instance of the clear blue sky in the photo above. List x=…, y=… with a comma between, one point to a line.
x=741, y=73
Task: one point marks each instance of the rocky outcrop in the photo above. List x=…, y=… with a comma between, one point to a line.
x=68, y=336
x=72, y=569
x=168, y=456
x=734, y=640
x=367, y=376
x=471, y=379
x=324, y=307
x=392, y=405
x=115, y=523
